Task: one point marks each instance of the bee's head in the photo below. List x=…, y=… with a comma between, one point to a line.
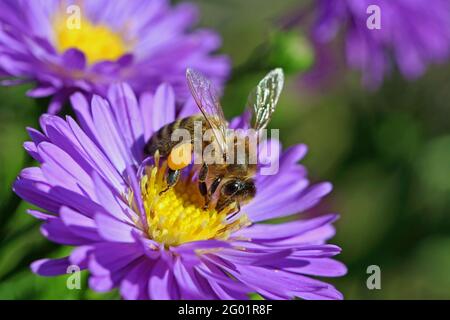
x=236, y=189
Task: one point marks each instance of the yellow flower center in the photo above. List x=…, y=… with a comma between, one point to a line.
x=97, y=42
x=178, y=215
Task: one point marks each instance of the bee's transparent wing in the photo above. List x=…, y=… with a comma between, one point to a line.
x=264, y=98
x=206, y=98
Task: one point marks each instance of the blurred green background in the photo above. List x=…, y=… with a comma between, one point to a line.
x=387, y=153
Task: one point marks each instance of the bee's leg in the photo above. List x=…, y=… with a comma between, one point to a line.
x=238, y=209
x=202, y=187
x=214, y=186
x=172, y=178
x=211, y=190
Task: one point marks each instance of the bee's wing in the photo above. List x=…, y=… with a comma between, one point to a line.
x=206, y=98
x=264, y=98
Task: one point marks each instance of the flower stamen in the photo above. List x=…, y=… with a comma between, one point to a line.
x=178, y=215
x=98, y=42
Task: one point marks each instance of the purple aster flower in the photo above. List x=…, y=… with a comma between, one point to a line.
x=68, y=45
x=413, y=33
x=99, y=194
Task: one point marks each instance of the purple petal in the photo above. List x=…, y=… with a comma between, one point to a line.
x=114, y=230
x=161, y=284
x=50, y=267
x=126, y=109
x=284, y=230
x=163, y=107
x=74, y=59
x=134, y=285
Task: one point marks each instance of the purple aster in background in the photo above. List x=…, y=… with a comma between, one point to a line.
x=413, y=34
x=99, y=194
x=66, y=46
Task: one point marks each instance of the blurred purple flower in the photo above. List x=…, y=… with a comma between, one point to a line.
x=414, y=33
x=99, y=194
x=143, y=42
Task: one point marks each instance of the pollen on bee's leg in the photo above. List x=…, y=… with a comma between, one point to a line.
x=180, y=157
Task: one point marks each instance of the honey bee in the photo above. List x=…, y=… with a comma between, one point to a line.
x=233, y=182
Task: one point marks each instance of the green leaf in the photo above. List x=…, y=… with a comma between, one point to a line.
x=290, y=51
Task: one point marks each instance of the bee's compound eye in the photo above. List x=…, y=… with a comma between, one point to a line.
x=231, y=188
